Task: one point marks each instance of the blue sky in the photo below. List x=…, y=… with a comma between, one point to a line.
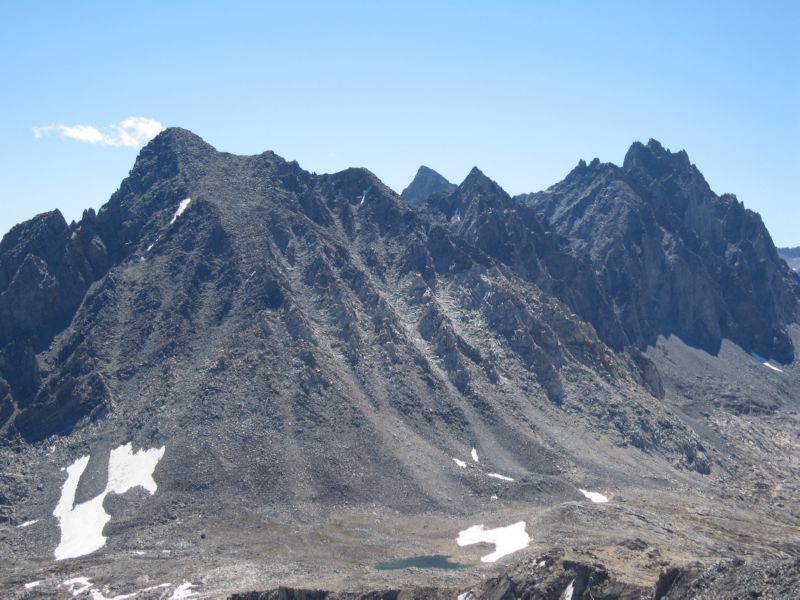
x=521, y=89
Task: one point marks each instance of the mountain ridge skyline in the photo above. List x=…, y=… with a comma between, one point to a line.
x=399, y=188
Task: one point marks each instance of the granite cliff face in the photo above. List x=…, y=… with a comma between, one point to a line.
x=672, y=256
x=332, y=377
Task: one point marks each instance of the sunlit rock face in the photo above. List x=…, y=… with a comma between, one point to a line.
x=672, y=256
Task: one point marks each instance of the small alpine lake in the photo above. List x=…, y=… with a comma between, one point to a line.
x=431, y=561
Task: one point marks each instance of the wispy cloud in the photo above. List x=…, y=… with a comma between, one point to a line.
x=129, y=133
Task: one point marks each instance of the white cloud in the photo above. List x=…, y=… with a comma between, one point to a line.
x=129, y=133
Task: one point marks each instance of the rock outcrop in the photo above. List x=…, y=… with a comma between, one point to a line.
x=551, y=577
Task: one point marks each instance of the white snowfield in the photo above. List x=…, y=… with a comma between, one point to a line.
x=475, y=455
x=506, y=540
x=459, y=462
x=181, y=209
x=82, y=525
x=595, y=497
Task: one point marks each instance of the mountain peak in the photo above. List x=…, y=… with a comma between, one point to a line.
x=654, y=158
x=477, y=182
x=425, y=183
x=173, y=151
x=425, y=171
x=177, y=141
x=177, y=135
x=660, y=195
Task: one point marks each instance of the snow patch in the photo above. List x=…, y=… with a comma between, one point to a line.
x=82, y=525
x=460, y=463
x=766, y=363
x=158, y=239
x=128, y=469
x=506, y=540
x=77, y=585
x=567, y=595
x=28, y=524
x=595, y=497
x=33, y=584
x=181, y=209
x=183, y=591
x=364, y=195
x=83, y=585
x=475, y=455
x=466, y=596
x=501, y=477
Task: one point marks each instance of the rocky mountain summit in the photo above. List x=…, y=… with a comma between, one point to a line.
x=239, y=375
x=672, y=256
x=425, y=182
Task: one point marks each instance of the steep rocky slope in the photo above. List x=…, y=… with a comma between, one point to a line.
x=237, y=375
x=674, y=257
x=480, y=212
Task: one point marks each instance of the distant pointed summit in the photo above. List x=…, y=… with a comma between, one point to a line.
x=426, y=182
x=482, y=191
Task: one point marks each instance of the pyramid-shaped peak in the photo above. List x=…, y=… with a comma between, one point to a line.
x=425, y=171
x=478, y=182
x=425, y=183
